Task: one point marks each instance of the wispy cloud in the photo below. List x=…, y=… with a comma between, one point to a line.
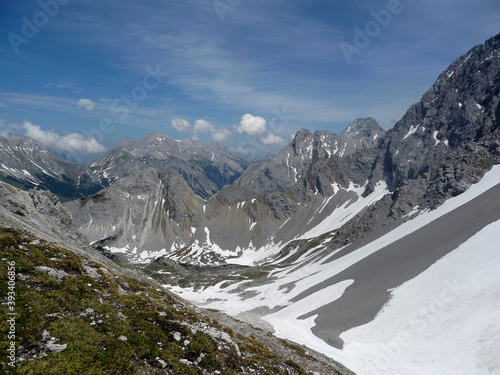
x=64, y=84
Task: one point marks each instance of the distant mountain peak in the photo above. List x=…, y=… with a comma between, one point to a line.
x=157, y=136
x=206, y=168
x=360, y=128
x=302, y=133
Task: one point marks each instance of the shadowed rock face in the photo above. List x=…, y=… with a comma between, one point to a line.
x=206, y=168
x=449, y=138
x=27, y=163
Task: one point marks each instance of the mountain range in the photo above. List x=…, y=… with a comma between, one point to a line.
x=376, y=248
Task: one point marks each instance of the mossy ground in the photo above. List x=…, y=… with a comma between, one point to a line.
x=90, y=311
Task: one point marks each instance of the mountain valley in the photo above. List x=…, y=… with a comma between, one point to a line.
x=375, y=248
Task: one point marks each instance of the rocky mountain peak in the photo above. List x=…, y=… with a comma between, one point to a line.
x=367, y=128
x=302, y=134
x=23, y=141
x=158, y=136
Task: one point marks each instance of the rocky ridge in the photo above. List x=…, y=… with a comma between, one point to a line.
x=206, y=168
x=281, y=172
x=29, y=164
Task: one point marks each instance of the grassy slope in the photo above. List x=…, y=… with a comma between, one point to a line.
x=146, y=315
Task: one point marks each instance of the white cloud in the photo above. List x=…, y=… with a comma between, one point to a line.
x=272, y=139
x=73, y=142
x=220, y=135
x=252, y=125
x=88, y=104
x=181, y=124
x=203, y=126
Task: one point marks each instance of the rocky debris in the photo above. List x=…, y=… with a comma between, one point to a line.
x=59, y=275
x=53, y=347
x=88, y=311
x=313, y=362
x=162, y=362
x=54, y=315
x=214, y=333
x=48, y=343
x=23, y=277
x=92, y=272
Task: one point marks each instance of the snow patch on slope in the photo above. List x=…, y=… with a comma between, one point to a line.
x=444, y=321
x=418, y=344
x=347, y=211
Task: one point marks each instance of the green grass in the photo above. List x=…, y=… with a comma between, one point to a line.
x=121, y=306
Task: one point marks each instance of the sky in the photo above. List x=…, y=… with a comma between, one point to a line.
x=81, y=75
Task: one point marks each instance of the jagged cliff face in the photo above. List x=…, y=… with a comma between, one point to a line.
x=27, y=163
x=206, y=168
x=450, y=138
x=283, y=171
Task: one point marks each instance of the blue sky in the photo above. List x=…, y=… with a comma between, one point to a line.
x=81, y=75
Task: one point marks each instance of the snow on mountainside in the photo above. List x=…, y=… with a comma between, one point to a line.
x=439, y=212
x=27, y=163
x=152, y=214
x=312, y=187
x=206, y=168
x=417, y=329
x=448, y=315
